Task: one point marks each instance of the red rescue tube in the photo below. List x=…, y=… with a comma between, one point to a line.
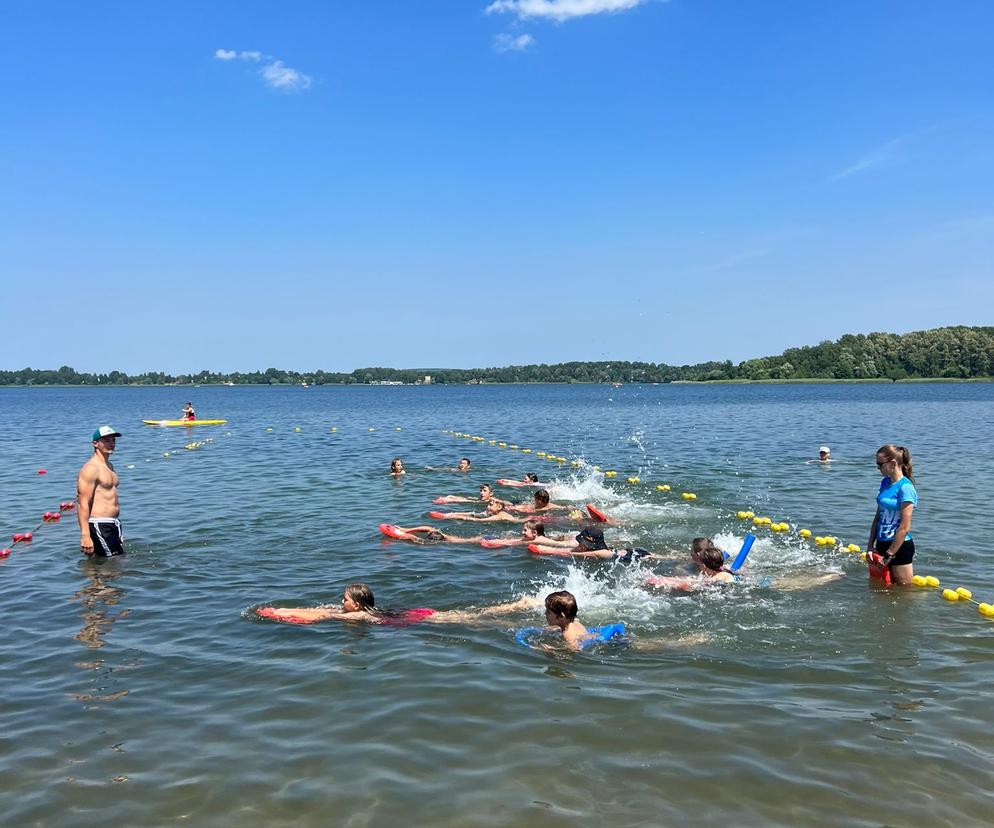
x=394, y=532
x=877, y=569
x=596, y=513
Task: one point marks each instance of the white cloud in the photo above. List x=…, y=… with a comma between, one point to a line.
x=505, y=42
x=275, y=73
x=560, y=10
x=284, y=78
x=886, y=155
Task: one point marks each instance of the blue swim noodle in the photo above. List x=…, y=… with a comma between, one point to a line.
x=598, y=634
x=750, y=539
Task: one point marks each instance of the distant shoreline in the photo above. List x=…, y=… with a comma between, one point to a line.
x=809, y=381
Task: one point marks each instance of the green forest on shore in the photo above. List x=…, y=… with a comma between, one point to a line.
x=941, y=353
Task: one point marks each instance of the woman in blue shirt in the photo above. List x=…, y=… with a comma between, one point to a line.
x=890, y=534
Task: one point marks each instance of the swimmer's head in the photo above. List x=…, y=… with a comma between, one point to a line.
x=542, y=498
x=396, y=465
x=358, y=597
x=560, y=606
x=434, y=536
x=706, y=554
x=532, y=529
x=824, y=452
x=486, y=491
x=464, y=464
x=495, y=505
x=531, y=477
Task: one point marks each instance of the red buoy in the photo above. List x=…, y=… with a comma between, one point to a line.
x=42, y=471
x=4, y=553
x=16, y=537
x=26, y=537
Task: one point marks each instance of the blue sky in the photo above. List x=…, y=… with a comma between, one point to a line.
x=239, y=185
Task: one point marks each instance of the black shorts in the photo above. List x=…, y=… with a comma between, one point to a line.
x=107, y=537
x=902, y=557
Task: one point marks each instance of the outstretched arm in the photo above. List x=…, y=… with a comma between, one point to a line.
x=476, y=616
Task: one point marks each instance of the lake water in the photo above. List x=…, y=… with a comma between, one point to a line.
x=143, y=691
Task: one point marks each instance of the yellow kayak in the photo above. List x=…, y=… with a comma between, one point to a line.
x=183, y=422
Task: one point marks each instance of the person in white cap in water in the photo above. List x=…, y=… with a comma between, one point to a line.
x=824, y=455
x=96, y=499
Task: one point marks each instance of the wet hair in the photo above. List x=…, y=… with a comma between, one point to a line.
x=542, y=497
x=561, y=603
x=486, y=486
x=362, y=595
x=704, y=552
x=535, y=526
x=434, y=536
x=531, y=477
x=394, y=462
x=901, y=456
x=465, y=460
x=496, y=501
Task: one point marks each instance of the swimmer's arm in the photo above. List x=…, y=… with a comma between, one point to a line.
x=456, y=499
x=86, y=487
x=457, y=539
x=309, y=614
x=480, y=615
x=545, y=540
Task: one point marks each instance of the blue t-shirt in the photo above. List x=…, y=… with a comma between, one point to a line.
x=891, y=498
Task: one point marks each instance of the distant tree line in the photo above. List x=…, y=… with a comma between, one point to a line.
x=955, y=352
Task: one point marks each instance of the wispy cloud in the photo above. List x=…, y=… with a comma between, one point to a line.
x=560, y=10
x=274, y=74
x=505, y=42
x=730, y=261
x=886, y=155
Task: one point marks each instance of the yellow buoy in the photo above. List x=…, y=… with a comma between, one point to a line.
x=688, y=496
x=919, y=580
x=334, y=428
x=985, y=609
x=165, y=454
x=526, y=451
x=853, y=547
x=398, y=428
x=268, y=429
x=757, y=521
x=610, y=474
x=950, y=595
x=931, y=580
x=829, y=539
x=663, y=487
x=298, y=428
x=515, y=447
x=963, y=592
x=502, y=445
x=575, y=464
x=741, y=515
x=540, y=454
x=805, y=533
x=634, y=480
x=820, y=540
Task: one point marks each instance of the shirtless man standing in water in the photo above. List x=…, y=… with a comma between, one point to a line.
x=96, y=499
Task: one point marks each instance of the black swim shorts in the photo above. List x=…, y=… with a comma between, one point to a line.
x=902, y=557
x=107, y=537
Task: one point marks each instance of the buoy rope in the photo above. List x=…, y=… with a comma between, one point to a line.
x=759, y=522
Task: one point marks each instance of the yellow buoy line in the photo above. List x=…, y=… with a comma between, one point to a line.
x=757, y=521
